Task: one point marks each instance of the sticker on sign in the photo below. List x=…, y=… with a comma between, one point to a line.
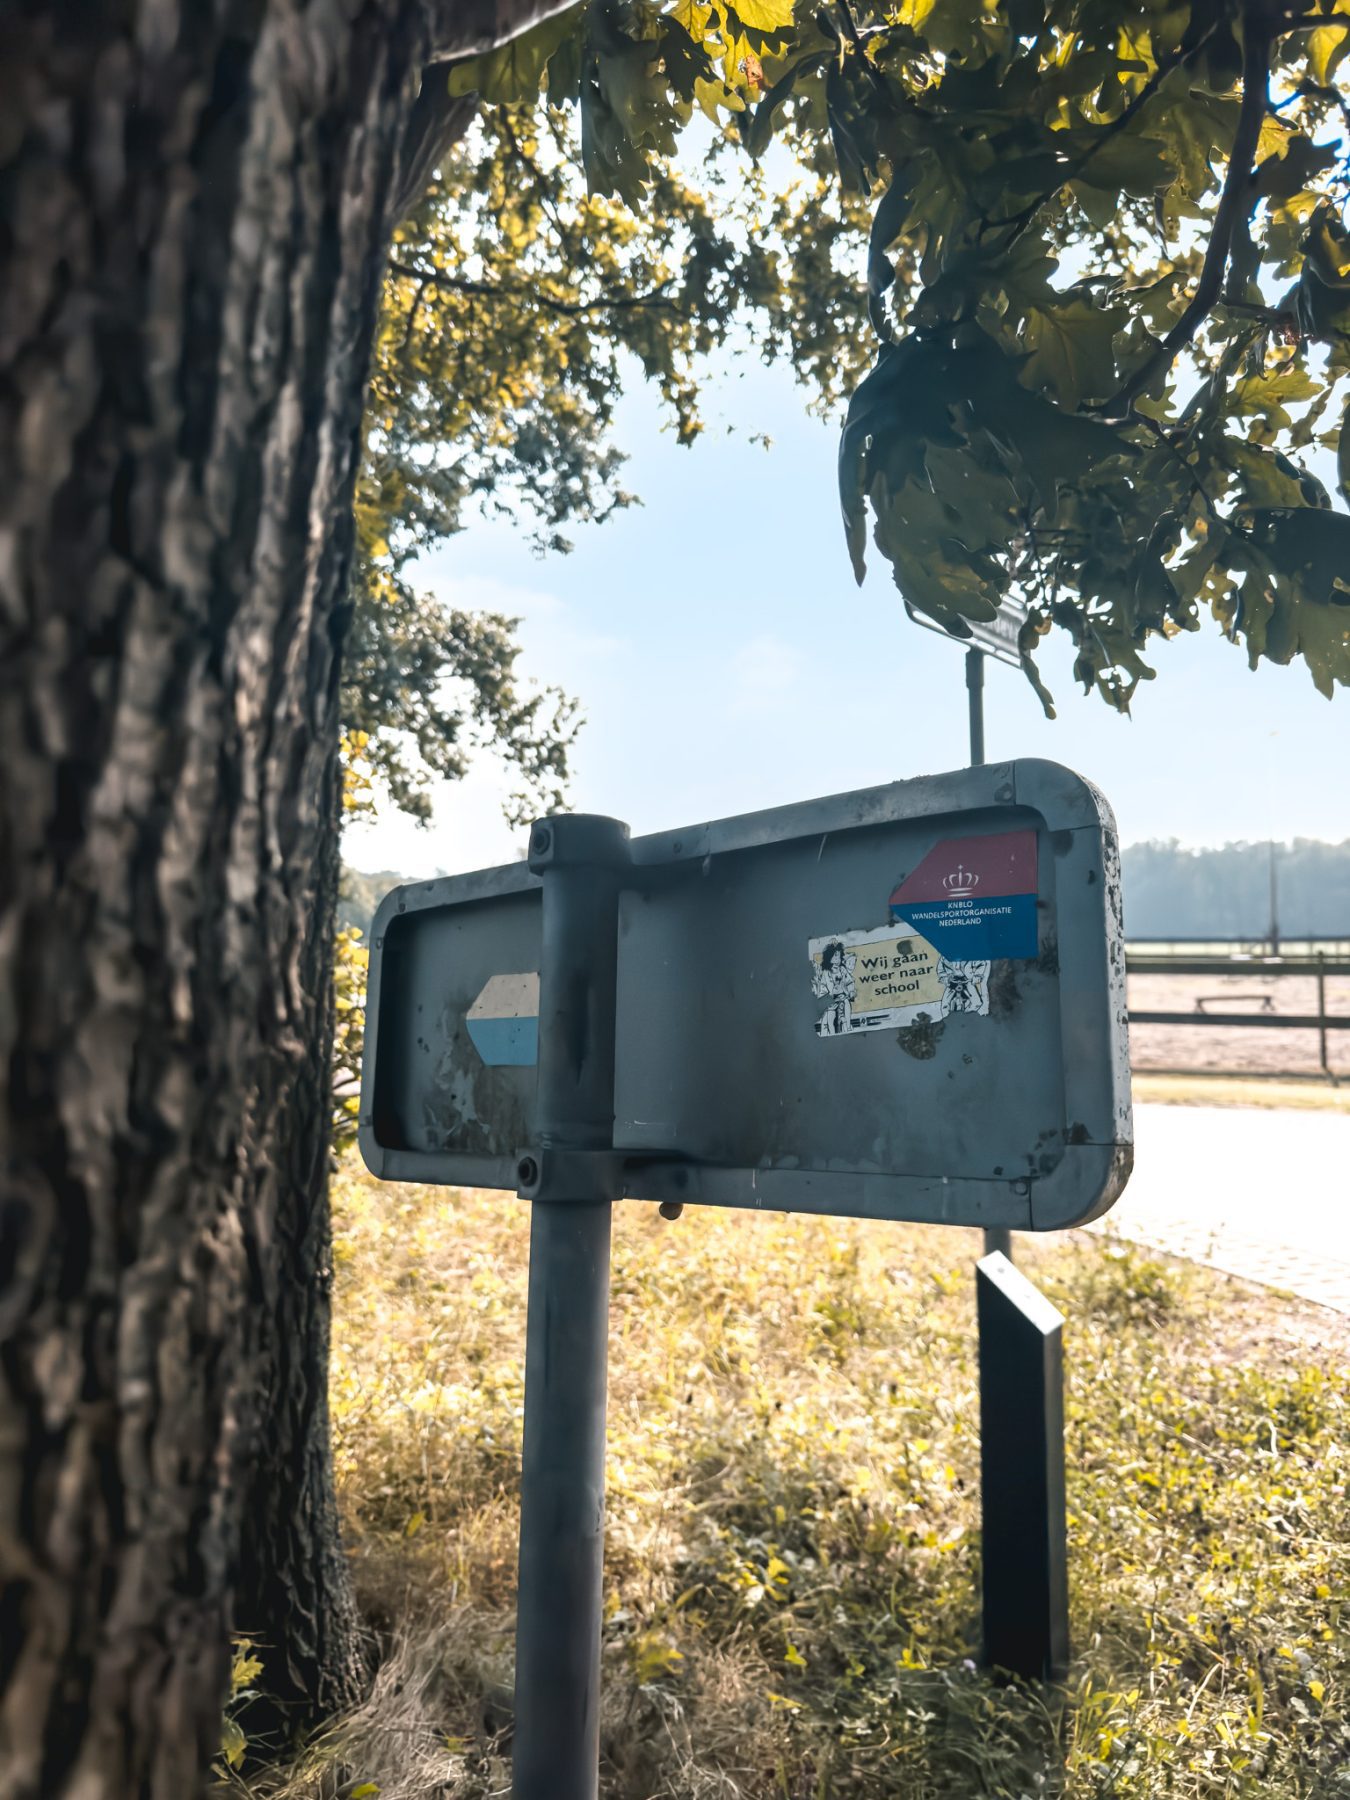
x=996, y=637
x=503, y=1022
x=974, y=897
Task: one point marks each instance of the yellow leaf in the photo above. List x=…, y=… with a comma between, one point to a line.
x=695, y=18
x=1316, y=1689
x=711, y=95
x=233, y=1743
x=414, y=1525
x=764, y=15
x=1326, y=47
x=244, y=1671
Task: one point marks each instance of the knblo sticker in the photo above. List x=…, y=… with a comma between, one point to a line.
x=974, y=899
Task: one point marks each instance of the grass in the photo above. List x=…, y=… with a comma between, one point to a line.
x=1313, y=1093
x=792, y=1555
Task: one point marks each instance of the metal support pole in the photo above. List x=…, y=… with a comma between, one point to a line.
x=997, y=1237
x=571, y=1176
x=1322, y=1009
x=1025, y=1549
x=975, y=688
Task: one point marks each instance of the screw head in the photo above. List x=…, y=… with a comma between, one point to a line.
x=541, y=840
x=527, y=1171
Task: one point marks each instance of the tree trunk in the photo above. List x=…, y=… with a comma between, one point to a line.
x=294, y=1596
x=195, y=196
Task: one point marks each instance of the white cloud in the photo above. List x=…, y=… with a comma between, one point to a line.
x=484, y=593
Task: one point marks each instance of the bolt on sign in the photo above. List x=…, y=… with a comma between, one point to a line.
x=904, y=1003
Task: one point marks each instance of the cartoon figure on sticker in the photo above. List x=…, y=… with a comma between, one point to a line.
x=833, y=980
x=965, y=986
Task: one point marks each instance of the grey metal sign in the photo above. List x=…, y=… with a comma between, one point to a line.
x=996, y=637
x=904, y=1003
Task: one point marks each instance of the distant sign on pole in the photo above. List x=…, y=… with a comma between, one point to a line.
x=996, y=637
x=904, y=1003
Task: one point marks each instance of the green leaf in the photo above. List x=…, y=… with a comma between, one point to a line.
x=1279, y=178
x=896, y=411
x=1310, y=544
x=874, y=396
x=890, y=216
x=626, y=112
x=1269, y=396
x=516, y=70
x=1071, y=349
x=759, y=122
x=1322, y=300
x=1266, y=479
x=1125, y=164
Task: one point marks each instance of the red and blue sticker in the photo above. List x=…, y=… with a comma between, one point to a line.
x=974, y=899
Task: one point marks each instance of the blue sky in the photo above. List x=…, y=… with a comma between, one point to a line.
x=725, y=661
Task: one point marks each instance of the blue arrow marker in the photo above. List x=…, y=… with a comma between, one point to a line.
x=503, y=1021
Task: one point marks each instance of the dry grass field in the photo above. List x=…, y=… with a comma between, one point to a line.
x=793, y=1542
x=1255, y=1051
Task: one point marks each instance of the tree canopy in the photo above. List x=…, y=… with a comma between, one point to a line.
x=1105, y=313
x=515, y=304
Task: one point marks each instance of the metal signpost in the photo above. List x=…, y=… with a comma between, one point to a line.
x=997, y=637
x=1026, y=1600
x=905, y=1003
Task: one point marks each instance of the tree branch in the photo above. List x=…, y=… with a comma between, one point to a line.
x=463, y=28
x=437, y=122
x=461, y=284
x=1019, y=221
x=1312, y=90
x=870, y=69
x=1235, y=195
x=1306, y=22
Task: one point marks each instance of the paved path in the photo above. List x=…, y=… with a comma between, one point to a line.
x=1263, y=1194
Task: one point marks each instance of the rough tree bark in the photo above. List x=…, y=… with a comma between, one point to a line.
x=194, y=201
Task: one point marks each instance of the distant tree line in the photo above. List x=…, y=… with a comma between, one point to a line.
x=1171, y=891
x=359, y=894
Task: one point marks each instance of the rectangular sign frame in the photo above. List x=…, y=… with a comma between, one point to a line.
x=1072, y=1174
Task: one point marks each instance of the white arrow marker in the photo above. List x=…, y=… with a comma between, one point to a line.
x=503, y=1021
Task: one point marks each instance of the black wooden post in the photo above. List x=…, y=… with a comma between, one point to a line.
x=571, y=1177
x=1025, y=1552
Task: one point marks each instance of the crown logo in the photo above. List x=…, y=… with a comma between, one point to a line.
x=960, y=882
